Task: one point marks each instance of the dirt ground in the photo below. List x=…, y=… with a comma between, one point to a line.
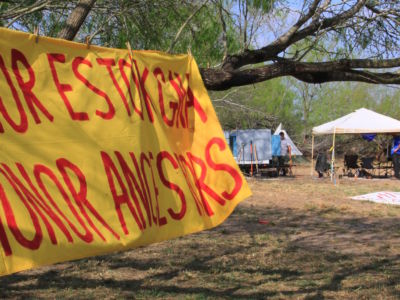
x=299, y=238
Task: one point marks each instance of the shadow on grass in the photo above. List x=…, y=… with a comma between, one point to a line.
x=299, y=253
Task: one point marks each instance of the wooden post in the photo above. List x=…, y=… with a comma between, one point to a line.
x=333, y=155
x=312, y=155
x=256, y=158
x=251, y=158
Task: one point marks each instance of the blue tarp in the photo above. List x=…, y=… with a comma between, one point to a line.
x=369, y=136
x=276, y=145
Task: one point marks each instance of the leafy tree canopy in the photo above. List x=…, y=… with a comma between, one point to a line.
x=237, y=42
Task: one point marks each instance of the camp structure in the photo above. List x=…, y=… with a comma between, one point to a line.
x=250, y=145
x=256, y=148
x=361, y=121
x=294, y=149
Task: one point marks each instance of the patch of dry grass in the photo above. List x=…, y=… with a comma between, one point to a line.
x=317, y=244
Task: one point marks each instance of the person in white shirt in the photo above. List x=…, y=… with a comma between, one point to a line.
x=286, y=153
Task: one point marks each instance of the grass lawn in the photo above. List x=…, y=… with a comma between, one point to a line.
x=316, y=243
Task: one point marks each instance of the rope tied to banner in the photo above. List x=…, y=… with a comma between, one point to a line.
x=87, y=41
x=36, y=33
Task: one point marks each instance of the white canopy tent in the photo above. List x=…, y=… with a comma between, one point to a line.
x=362, y=121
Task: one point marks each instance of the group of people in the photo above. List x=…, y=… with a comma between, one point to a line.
x=286, y=154
x=322, y=165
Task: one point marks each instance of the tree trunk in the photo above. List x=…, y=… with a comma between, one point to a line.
x=76, y=19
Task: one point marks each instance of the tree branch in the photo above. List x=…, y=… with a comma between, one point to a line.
x=302, y=20
x=178, y=34
x=310, y=72
x=224, y=36
x=17, y=14
x=353, y=20
x=272, y=50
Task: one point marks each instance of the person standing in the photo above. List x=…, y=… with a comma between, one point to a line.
x=395, y=152
x=286, y=153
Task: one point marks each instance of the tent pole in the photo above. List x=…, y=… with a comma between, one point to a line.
x=333, y=155
x=312, y=155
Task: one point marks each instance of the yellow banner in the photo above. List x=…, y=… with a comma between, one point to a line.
x=103, y=150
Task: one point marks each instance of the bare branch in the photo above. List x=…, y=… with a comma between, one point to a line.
x=223, y=25
x=101, y=27
x=303, y=19
x=244, y=107
x=273, y=49
x=15, y=12
x=40, y=5
x=178, y=34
